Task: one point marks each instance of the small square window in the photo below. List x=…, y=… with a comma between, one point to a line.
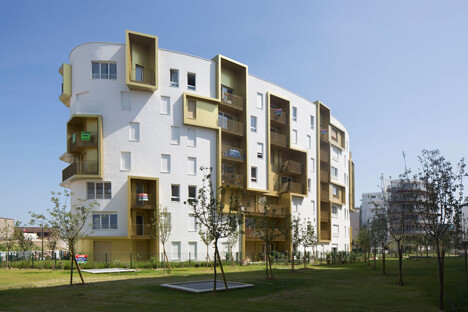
x=175, y=192
x=174, y=73
x=165, y=163
x=253, y=174
x=294, y=136
x=334, y=172
x=191, y=81
x=134, y=132
x=125, y=161
x=191, y=166
x=253, y=123
x=260, y=150
x=192, y=109
x=309, y=142
x=192, y=192
x=259, y=100
x=294, y=113
x=309, y=185
x=175, y=135
x=312, y=122
x=165, y=105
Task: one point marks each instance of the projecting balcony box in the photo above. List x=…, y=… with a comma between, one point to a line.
x=89, y=167
x=291, y=167
x=141, y=62
x=231, y=126
x=233, y=153
x=141, y=231
x=233, y=179
x=325, y=235
x=232, y=101
x=292, y=187
x=277, y=115
x=273, y=210
x=143, y=201
x=278, y=139
x=250, y=234
x=81, y=140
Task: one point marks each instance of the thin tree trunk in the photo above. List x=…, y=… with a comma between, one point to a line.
x=8, y=259
x=207, y=256
x=440, y=262
x=368, y=257
x=71, y=270
x=222, y=270
x=427, y=253
x=465, y=256
x=400, y=263
x=375, y=258
x=79, y=271
x=216, y=248
x=292, y=258
x=271, y=271
x=266, y=261
x=383, y=259
x=304, y=258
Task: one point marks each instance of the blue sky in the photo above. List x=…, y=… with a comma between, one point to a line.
x=393, y=72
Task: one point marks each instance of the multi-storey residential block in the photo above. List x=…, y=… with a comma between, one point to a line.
x=144, y=119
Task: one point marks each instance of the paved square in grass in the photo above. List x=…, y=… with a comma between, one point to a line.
x=205, y=286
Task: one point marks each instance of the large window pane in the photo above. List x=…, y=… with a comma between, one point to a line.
x=104, y=70
x=91, y=191
x=99, y=191
x=112, y=71
x=96, y=221
x=107, y=190
x=105, y=221
x=95, y=70
x=113, y=221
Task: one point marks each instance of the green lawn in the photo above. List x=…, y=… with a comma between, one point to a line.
x=351, y=287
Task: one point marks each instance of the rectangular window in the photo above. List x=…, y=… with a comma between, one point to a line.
x=294, y=136
x=312, y=122
x=294, y=113
x=336, y=230
x=191, y=166
x=134, y=131
x=192, y=192
x=259, y=100
x=175, y=251
x=191, y=81
x=312, y=164
x=334, y=134
x=335, y=210
x=253, y=174
x=192, y=109
x=175, y=192
x=309, y=142
x=335, y=153
x=191, y=137
x=345, y=176
x=104, y=221
x=336, y=192
x=260, y=150
x=165, y=105
x=125, y=161
x=174, y=73
x=125, y=101
x=175, y=135
x=165, y=163
x=99, y=190
x=309, y=185
x=334, y=173
x=192, y=226
x=313, y=206
x=253, y=123
x=103, y=70
x=192, y=250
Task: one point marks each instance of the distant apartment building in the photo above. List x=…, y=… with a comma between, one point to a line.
x=355, y=219
x=144, y=119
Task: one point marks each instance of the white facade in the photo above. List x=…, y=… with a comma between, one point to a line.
x=144, y=135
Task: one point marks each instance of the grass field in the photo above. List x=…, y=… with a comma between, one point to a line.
x=350, y=287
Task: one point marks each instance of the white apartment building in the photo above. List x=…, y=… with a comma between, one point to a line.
x=144, y=119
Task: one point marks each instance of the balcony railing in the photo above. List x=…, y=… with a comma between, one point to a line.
x=142, y=75
x=273, y=210
x=291, y=166
x=278, y=139
x=325, y=235
x=292, y=187
x=143, y=201
x=233, y=179
x=233, y=101
x=81, y=167
x=251, y=234
x=141, y=230
x=324, y=216
x=324, y=196
x=278, y=115
x=324, y=155
x=231, y=126
x=82, y=139
x=233, y=153
x=324, y=176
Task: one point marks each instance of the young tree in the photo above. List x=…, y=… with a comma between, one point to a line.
x=220, y=216
x=374, y=238
x=207, y=239
x=296, y=237
x=379, y=226
x=308, y=237
x=268, y=227
x=52, y=242
x=161, y=228
x=440, y=207
x=25, y=242
x=362, y=242
x=68, y=223
x=8, y=240
x=232, y=240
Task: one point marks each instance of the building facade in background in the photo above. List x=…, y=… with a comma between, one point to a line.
x=143, y=120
